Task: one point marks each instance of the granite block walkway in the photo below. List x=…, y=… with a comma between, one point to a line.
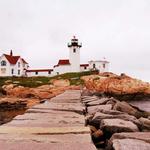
x=57, y=124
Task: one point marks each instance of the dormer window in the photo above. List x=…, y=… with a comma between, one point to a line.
x=3, y=63
x=74, y=50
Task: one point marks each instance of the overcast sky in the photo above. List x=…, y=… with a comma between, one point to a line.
x=118, y=30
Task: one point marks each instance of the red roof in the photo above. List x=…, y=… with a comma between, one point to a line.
x=84, y=65
x=64, y=62
x=12, y=59
x=40, y=70
x=24, y=61
x=56, y=66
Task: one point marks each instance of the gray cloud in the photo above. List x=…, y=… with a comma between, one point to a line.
x=116, y=29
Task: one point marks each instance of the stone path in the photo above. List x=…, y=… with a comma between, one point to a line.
x=57, y=124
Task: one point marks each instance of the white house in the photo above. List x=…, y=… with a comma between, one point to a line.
x=101, y=65
x=11, y=65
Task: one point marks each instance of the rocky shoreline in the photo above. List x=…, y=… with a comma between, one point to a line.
x=116, y=108
x=116, y=124
x=17, y=99
x=121, y=86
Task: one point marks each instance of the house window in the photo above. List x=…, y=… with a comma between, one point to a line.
x=12, y=71
x=104, y=65
x=18, y=64
x=36, y=73
x=3, y=63
x=49, y=72
x=85, y=68
x=94, y=66
x=18, y=72
x=3, y=70
x=74, y=50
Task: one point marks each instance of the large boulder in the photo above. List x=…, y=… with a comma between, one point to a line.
x=144, y=136
x=61, y=82
x=94, y=109
x=99, y=116
x=100, y=101
x=130, y=144
x=117, y=85
x=111, y=126
x=88, y=99
x=8, y=87
x=130, y=141
x=145, y=123
x=127, y=108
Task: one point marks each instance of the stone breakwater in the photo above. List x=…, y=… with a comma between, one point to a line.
x=116, y=125
x=57, y=124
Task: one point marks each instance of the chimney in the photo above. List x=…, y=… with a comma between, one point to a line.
x=11, y=53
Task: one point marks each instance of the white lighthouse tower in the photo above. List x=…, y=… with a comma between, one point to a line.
x=74, y=54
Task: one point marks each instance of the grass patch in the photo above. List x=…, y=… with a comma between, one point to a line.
x=74, y=79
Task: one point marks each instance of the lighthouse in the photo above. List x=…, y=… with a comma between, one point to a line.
x=74, y=54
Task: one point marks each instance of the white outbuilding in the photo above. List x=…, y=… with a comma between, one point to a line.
x=11, y=65
x=39, y=72
x=100, y=65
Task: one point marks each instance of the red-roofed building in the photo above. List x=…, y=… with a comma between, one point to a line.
x=39, y=72
x=11, y=65
x=63, y=66
x=84, y=67
x=73, y=63
x=63, y=62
